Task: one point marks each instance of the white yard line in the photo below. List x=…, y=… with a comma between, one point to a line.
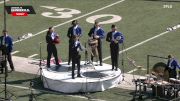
x=110, y=5
x=1, y=2
x=31, y=56
x=21, y=87
x=14, y=52
x=138, y=44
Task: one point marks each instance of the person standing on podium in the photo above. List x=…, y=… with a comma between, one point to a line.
x=73, y=31
x=97, y=33
x=76, y=57
x=52, y=39
x=114, y=38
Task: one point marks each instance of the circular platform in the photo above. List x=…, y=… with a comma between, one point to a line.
x=94, y=78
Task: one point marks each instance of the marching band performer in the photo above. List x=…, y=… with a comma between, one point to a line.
x=98, y=33
x=7, y=40
x=74, y=30
x=76, y=57
x=115, y=38
x=52, y=39
x=172, y=67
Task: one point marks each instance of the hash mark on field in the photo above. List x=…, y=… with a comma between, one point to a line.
x=131, y=71
x=1, y=2
x=14, y=52
x=31, y=56
x=110, y=5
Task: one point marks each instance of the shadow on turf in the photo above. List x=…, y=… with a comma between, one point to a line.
x=165, y=0
x=37, y=83
x=38, y=86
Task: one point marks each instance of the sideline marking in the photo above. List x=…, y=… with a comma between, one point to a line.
x=110, y=5
x=1, y=2
x=32, y=55
x=14, y=52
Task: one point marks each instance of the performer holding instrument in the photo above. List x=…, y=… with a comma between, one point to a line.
x=172, y=67
x=97, y=33
x=115, y=38
x=74, y=30
x=7, y=41
x=52, y=39
x=76, y=57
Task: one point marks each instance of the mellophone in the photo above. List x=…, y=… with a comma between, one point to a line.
x=160, y=88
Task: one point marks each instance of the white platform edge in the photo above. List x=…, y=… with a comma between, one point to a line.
x=62, y=82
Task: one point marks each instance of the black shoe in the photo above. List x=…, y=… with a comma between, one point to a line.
x=79, y=75
x=101, y=64
x=58, y=65
x=68, y=63
x=116, y=69
x=96, y=65
x=48, y=68
x=73, y=78
x=10, y=71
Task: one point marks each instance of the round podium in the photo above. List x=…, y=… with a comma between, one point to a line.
x=94, y=78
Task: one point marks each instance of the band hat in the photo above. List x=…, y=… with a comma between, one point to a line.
x=51, y=27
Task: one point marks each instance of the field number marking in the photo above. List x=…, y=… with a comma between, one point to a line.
x=76, y=18
x=68, y=13
x=60, y=12
x=115, y=18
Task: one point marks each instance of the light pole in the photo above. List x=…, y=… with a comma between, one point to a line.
x=4, y=14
